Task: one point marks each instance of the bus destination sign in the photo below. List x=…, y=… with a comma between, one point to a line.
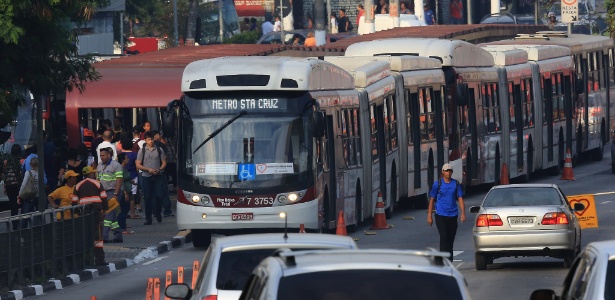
x=262, y=104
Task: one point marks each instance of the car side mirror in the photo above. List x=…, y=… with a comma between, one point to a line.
x=543, y=294
x=474, y=209
x=178, y=291
x=579, y=206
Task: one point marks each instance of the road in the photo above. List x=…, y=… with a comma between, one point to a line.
x=507, y=278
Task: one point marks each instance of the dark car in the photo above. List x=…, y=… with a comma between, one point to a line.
x=499, y=18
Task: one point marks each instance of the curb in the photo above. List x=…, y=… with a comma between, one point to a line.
x=177, y=241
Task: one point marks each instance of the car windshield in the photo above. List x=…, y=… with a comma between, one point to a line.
x=530, y=196
x=235, y=267
x=609, y=289
x=368, y=284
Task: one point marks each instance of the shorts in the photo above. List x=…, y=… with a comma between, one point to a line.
x=135, y=186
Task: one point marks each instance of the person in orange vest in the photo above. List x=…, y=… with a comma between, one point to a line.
x=64, y=195
x=88, y=137
x=90, y=192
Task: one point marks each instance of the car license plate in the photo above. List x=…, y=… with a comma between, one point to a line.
x=242, y=216
x=520, y=221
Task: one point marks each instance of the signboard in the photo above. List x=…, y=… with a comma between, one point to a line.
x=570, y=11
x=588, y=218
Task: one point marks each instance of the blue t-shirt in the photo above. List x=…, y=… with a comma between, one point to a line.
x=446, y=202
x=429, y=17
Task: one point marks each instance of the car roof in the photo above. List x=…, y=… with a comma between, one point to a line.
x=297, y=262
x=275, y=240
x=605, y=247
x=525, y=185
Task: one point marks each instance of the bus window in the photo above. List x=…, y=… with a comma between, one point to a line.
x=374, y=132
x=486, y=111
x=495, y=96
x=393, y=121
x=345, y=136
x=529, y=102
x=611, y=66
x=351, y=136
x=524, y=116
x=357, y=137
x=548, y=93
x=422, y=117
x=431, y=124
x=409, y=98
x=511, y=106
x=555, y=94
x=560, y=99
x=385, y=116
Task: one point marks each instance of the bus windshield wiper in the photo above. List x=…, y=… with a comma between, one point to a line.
x=213, y=134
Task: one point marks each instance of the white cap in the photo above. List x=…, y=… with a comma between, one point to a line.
x=446, y=167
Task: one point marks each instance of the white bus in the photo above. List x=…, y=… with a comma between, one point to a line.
x=592, y=110
x=258, y=136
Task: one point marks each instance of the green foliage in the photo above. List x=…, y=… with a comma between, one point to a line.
x=39, y=49
x=246, y=37
x=610, y=16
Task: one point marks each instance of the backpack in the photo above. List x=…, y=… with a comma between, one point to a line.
x=350, y=27
x=11, y=173
x=440, y=185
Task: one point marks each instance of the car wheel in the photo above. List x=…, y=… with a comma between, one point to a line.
x=613, y=167
x=481, y=261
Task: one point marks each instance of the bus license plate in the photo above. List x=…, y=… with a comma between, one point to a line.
x=242, y=216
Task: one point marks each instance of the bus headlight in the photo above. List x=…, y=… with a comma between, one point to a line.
x=292, y=197
x=282, y=199
x=196, y=199
x=205, y=200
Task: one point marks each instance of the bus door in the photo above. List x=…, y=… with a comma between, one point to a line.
x=329, y=208
x=473, y=163
x=548, y=114
x=382, y=161
x=439, y=101
x=519, y=126
x=416, y=137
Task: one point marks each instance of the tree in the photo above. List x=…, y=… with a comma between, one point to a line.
x=39, y=49
x=610, y=17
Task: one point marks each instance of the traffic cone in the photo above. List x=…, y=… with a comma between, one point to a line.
x=380, y=219
x=341, y=224
x=504, y=175
x=301, y=228
x=93, y=298
x=567, y=173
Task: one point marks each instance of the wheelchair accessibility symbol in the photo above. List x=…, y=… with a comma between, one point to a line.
x=246, y=172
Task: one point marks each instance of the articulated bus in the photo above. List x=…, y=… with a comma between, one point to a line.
x=545, y=97
x=422, y=122
x=594, y=86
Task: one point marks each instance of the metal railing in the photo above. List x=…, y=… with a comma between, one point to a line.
x=37, y=246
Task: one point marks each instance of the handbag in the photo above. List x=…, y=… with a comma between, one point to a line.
x=31, y=190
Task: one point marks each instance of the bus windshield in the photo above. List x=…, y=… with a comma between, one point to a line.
x=254, y=151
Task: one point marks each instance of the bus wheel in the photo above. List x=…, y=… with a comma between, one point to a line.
x=357, y=212
x=201, y=238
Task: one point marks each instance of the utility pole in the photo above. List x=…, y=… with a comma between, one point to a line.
x=321, y=33
x=42, y=194
x=221, y=19
x=282, y=39
x=175, y=37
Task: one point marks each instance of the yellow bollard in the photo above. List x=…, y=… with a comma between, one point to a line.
x=195, y=272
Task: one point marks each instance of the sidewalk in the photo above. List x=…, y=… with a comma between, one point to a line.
x=144, y=236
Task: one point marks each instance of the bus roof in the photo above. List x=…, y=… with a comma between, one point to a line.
x=399, y=63
x=507, y=57
x=577, y=43
x=534, y=52
x=364, y=69
x=264, y=73
x=451, y=53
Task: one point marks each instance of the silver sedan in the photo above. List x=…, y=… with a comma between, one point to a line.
x=526, y=220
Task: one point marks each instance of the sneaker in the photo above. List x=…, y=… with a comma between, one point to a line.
x=128, y=232
x=159, y=219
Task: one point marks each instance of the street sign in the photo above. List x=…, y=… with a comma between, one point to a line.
x=570, y=11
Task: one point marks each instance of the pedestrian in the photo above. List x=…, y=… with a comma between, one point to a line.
x=110, y=223
x=28, y=192
x=552, y=21
x=91, y=193
x=310, y=23
x=245, y=25
x=310, y=41
x=118, y=131
x=12, y=176
x=403, y=8
x=125, y=199
x=131, y=167
x=63, y=196
x=152, y=161
x=267, y=26
x=334, y=24
x=147, y=126
x=360, y=13
x=107, y=143
x=137, y=143
x=344, y=23
x=166, y=200
x=445, y=192
x=277, y=25
x=430, y=17
x=97, y=140
x=253, y=26
x=110, y=173
x=456, y=7
x=74, y=162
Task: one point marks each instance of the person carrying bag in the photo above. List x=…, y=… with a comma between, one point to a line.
x=30, y=190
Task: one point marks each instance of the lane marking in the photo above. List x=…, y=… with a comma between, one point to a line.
x=155, y=260
x=455, y=253
x=605, y=202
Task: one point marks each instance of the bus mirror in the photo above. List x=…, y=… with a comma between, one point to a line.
x=168, y=122
x=580, y=87
x=461, y=94
x=318, y=120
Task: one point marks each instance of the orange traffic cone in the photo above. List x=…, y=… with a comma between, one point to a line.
x=380, y=219
x=504, y=175
x=301, y=228
x=567, y=173
x=93, y=298
x=341, y=224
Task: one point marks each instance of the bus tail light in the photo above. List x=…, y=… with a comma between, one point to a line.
x=486, y=220
x=554, y=219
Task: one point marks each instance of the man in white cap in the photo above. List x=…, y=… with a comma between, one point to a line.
x=445, y=192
